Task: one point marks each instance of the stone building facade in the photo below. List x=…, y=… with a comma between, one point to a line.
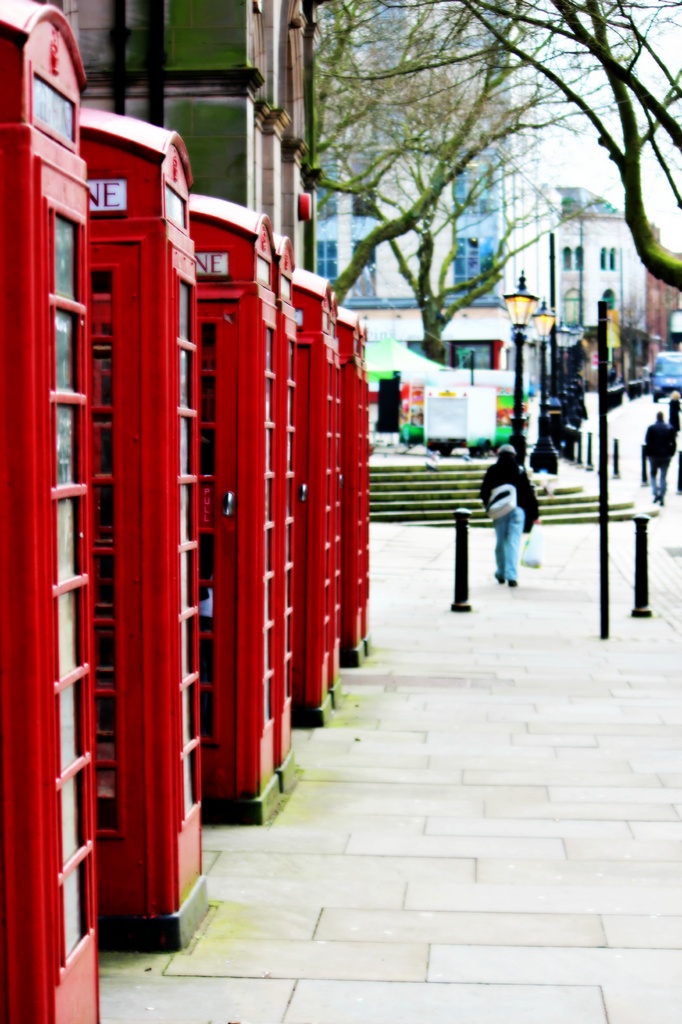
x=233, y=77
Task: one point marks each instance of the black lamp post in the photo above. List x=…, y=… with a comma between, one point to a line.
x=544, y=455
x=520, y=306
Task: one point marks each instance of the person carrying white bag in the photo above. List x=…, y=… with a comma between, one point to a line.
x=510, y=501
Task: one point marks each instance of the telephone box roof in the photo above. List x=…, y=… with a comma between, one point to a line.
x=18, y=18
x=222, y=211
x=136, y=136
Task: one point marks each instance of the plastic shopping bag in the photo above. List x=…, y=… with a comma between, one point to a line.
x=534, y=548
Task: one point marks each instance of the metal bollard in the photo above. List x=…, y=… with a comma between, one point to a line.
x=616, y=473
x=589, y=452
x=461, y=602
x=579, y=456
x=641, y=609
x=679, y=474
x=645, y=479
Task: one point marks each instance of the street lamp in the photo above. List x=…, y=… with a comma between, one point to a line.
x=544, y=455
x=520, y=306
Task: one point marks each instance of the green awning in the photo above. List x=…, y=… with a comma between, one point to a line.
x=386, y=357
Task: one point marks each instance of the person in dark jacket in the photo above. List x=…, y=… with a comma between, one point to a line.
x=674, y=411
x=510, y=527
x=659, y=447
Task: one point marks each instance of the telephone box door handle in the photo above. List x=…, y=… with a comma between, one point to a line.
x=229, y=503
x=303, y=492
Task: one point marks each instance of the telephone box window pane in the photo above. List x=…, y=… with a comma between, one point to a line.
x=206, y=714
x=187, y=714
x=268, y=498
x=66, y=616
x=268, y=451
x=268, y=399
x=186, y=581
x=103, y=440
x=289, y=586
x=269, y=335
x=188, y=773
x=185, y=378
x=186, y=645
x=67, y=726
x=290, y=407
x=70, y=823
x=65, y=257
x=185, y=522
x=104, y=659
x=102, y=393
x=107, y=818
x=268, y=551
x=100, y=302
x=208, y=335
x=291, y=360
x=266, y=695
x=104, y=586
x=104, y=514
x=206, y=660
x=66, y=539
x=208, y=399
x=63, y=330
x=175, y=209
x=207, y=453
x=206, y=556
x=105, y=717
x=287, y=553
x=266, y=603
x=66, y=420
x=184, y=446
x=184, y=311
x=290, y=496
x=73, y=910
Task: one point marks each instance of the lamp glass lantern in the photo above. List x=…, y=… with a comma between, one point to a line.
x=521, y=304
x=544, y=321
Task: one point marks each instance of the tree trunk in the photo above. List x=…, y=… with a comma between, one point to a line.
x=434, y=346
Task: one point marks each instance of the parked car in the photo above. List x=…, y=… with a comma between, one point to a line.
x=667, y=375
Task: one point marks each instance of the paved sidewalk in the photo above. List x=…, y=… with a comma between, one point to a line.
x=490, y=830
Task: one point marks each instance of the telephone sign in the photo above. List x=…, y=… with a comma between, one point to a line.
x=108, y=195
x=211, y=264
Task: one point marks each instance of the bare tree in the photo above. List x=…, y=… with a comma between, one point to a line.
x=614, y=64
x=398, y=136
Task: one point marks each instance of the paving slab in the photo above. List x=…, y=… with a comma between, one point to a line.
x=495, y=965
x=204, y=1001
x=376, y=1003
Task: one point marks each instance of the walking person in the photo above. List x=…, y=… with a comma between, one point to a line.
x=512, y=524
x=674, y=411
x=659, y=447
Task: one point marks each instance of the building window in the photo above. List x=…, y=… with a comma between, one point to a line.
x=327, y=259
x=568, y=258
x=602, y=259
x=572, y=307
x=579, y=258
x=612, y=259
x=609, y=297
x=474, y=256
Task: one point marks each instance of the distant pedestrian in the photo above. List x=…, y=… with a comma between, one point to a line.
x=512, y=524
x=659, y=447
x=674, y=411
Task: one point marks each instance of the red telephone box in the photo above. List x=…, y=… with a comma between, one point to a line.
x=48, y=947
x=285, y=483
x=143, y=367
x=245, y=699
x=354, y=490
x=316, y=682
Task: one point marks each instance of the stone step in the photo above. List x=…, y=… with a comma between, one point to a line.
x=398, y=499
x=552, y=514
x=568, y=519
